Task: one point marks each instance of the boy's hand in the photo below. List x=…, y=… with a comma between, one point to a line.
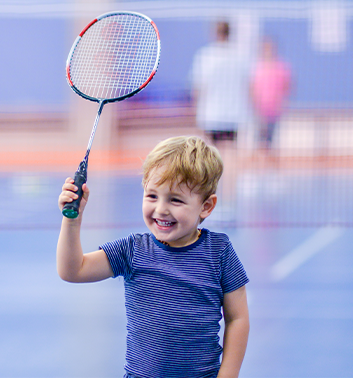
x=68, y=194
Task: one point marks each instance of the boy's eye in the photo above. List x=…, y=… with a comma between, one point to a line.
x=152, y=196
x=177, y=200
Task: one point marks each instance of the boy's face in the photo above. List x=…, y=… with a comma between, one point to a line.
x=173, y=214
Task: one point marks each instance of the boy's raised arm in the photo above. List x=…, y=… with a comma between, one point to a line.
x=72, y=264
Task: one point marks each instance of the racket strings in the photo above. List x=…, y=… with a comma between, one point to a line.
x=114, y=57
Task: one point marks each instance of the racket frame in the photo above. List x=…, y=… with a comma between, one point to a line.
x=76, y=42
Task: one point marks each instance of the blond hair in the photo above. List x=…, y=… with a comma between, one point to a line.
x=185, y=160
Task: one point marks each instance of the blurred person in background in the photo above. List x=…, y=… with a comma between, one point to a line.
x=270, y=89
x=220, y=91
x=220, y=87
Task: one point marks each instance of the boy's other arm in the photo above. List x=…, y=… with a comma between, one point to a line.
x=72, y=264
x=236, y=318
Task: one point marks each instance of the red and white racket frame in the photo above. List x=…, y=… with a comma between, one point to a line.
x=109, y=14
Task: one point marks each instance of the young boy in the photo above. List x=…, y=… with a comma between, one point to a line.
x=178, y=277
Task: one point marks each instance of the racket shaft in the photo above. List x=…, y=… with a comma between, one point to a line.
x=71, y=209
x=93, y=133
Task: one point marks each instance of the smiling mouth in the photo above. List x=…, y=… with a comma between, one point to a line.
x=164, y=223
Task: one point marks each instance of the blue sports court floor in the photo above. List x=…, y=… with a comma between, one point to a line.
x=300, y=293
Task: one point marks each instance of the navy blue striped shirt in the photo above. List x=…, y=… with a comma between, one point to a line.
x=173, y=299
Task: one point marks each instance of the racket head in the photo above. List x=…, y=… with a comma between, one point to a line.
x=114, y=57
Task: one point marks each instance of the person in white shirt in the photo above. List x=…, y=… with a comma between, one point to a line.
x=220, y=82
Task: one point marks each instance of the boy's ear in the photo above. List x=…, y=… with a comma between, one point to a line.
x=208, y=206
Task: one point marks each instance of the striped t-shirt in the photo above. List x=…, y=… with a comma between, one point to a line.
x=173, y=299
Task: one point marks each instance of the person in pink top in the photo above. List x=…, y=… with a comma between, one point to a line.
x=270, y=88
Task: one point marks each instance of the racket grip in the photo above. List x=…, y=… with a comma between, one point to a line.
x=71, y=209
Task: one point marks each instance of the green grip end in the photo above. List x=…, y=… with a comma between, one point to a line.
x=70, y=213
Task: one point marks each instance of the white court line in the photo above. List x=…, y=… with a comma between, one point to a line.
x=298, y=256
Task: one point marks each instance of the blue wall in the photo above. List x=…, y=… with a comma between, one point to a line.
x=34, y=52
x=318, y=77
x=32, y=65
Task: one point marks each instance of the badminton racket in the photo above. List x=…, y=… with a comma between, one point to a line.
x=113, y=58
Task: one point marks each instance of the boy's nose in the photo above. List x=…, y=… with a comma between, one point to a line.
x=162, y=208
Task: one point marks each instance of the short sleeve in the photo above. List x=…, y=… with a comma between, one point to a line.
x=120, y=255
x=233, y=275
